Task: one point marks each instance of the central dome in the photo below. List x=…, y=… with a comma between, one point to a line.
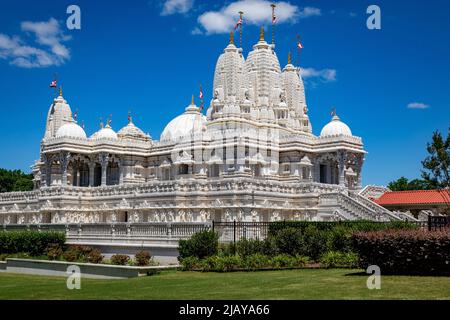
x=190, y=122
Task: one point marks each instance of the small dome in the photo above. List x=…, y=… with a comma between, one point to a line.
x=335, y=128
x=71, y=130
x=190, y=122
x=105, y=133
x=130, y=131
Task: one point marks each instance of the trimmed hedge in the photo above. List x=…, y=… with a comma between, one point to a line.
x=33, y=242
x=351, y=226
x=409, y=252
x=249, y=263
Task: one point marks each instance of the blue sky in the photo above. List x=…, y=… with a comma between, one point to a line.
x=150, y=56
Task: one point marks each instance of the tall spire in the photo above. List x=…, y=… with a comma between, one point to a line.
x=289, y=58
x=192, y=101
x=60, y=91
x=231, y=37
x=261, y=34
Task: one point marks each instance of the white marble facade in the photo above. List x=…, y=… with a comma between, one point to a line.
x=252, y=157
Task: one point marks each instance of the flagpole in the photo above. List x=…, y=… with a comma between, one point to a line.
x=298, y=52
x=273, y=23
x=240, y=28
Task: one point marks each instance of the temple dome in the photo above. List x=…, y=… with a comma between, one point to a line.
x=335, y=128
x=130, y=131
x=190, y=122
x=105, y=133
x=71, y=130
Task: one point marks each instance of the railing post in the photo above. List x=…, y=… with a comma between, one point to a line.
x=113, y=230
x=79, y=231
x=128, y=230
x=213, y=225
x=169, y=230
x=429, y=223
x=234, y=232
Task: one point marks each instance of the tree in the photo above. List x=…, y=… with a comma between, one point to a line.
x=15, y=180
x=437, y=164
x=403, y=184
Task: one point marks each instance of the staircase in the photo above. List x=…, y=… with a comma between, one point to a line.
x=353, y=207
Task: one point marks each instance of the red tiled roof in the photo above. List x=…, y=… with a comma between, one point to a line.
x=415, y=197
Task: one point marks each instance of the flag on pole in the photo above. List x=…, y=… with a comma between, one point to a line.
x=201, y=93
x=274, y=19
x=53, y=84
x=299, y=45
x=238, y=24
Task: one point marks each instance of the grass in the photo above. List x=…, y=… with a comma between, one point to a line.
x=286, y=284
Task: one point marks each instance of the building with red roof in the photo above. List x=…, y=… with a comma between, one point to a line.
x=414, y=201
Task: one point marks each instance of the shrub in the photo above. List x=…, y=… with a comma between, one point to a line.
x=226, y=249
x=190, y=263
x=120, y=259
x=256, y=261
x=411, y=252
x=336, y=259
x=282, y=261
x=33, y=242
x=142, y=258
x=288, y=241
x=94, y=256
x=246, y=247
x=54, y=251
x=81, y=253
x=201, y=244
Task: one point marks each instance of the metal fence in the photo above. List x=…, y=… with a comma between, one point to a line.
x=438, y=223
x=233, y=231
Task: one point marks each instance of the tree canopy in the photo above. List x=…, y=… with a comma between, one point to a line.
x=15, y=180
x=436, y=168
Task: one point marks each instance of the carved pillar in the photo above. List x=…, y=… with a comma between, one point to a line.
x=342, y=158
x=91, y=173
x=360, y=161
x=47, y=159
x=75, y=178
x=103, y=158
x=121, y=163
x=64, y=158
x=316, y=166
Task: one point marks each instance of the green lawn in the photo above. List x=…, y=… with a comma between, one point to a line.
x=288, y=284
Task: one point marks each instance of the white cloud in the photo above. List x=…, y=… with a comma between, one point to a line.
x=47, y=34
x=256, y=12
x=176, y=6
x=325, y=75
x=196, y=31
x=417, y=105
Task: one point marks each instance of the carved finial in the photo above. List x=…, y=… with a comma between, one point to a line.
x=289, y=58
x=101, y=123
x=192, y=100
x=130, y=119
x=60, y=91
x=261, y=34
x=231, y=37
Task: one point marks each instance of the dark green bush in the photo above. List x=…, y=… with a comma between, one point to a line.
x=142, y=258
x=256, y=261
x=409, y=252
x=351, y=226
x=336, y=259
x=120, y=259
x=33, y=242
x=227, y=249
x=201, y=244
x=288, y=241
